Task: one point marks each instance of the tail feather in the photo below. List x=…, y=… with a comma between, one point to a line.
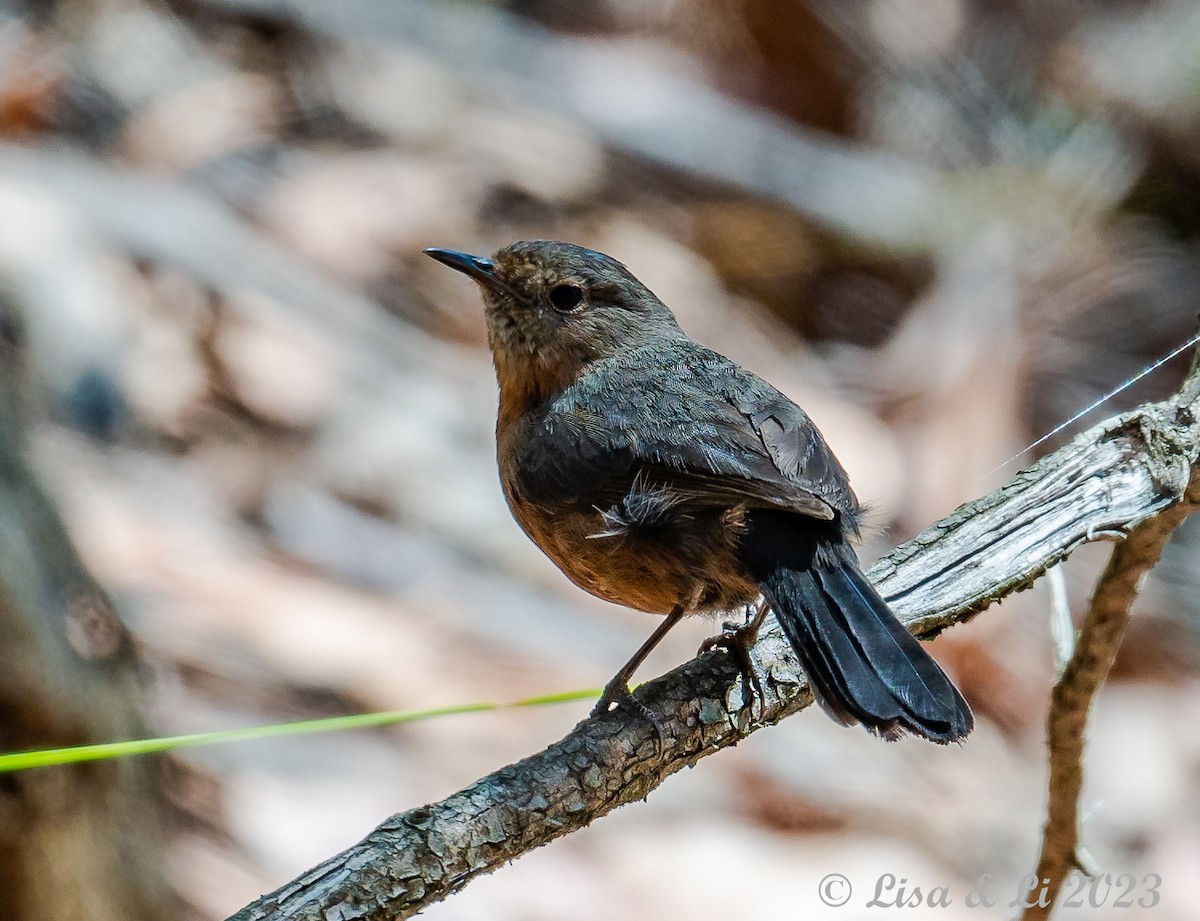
x=830, y=658
x=916, y=679
x=862, y=663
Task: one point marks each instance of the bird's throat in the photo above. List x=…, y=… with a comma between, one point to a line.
x=536, y=381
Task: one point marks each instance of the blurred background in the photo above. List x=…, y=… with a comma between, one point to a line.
x=265, y=420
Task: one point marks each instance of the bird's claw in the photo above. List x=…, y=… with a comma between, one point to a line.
x=738, y=642
x=616, y=695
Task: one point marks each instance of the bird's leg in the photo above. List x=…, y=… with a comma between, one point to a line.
x=616, y=692
x=738, y=642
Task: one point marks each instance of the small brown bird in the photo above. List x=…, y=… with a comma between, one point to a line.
x=660, y=475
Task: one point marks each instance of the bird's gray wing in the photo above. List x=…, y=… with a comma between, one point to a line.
x=711, y=432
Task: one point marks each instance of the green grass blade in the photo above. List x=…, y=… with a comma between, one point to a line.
x=21, y=761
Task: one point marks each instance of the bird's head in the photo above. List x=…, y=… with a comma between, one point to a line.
x=553, y=308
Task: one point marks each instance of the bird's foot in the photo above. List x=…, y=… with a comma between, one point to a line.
x=617, y=695
x=738, y=642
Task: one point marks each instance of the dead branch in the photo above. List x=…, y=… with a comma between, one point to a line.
x=1095, y=652
x=1103, y=485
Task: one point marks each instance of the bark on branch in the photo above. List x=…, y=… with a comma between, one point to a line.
x=1103, y=485
x=1103, y=629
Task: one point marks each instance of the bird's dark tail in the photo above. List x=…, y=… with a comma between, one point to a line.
x=862, y=663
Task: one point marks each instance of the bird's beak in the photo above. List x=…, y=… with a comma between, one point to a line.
x=482, y=270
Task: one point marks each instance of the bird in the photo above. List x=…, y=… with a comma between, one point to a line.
x=661, y=475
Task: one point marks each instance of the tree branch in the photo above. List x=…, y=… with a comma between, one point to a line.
x=1102, y=485
x=1099, y=639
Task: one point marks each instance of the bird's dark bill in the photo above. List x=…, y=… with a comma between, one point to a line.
x=482, y=270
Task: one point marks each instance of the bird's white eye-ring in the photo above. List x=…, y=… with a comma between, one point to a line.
x=565, y=298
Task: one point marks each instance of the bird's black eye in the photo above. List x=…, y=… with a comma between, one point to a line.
x=566, y=297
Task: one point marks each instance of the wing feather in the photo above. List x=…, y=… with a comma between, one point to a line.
x=697, y=423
